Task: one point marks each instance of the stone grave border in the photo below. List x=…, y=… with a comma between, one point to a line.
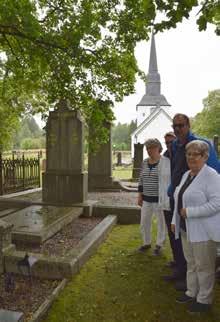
x=46, y=233
x=41, y=312
x=65, y=267
x=58, y=267
x=68, y=266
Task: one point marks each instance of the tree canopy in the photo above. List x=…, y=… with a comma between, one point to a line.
x=207, y=123
x=121, y=135
x=28, y=135
x=80, y=50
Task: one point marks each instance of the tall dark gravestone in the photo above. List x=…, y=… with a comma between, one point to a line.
x=65, y=181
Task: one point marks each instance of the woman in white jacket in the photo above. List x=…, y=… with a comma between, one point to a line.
x=197, y=215
x=152, y=197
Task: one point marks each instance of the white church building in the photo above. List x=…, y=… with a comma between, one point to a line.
x=153, y=112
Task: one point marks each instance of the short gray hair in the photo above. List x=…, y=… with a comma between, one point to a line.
x=153, y=142
x=200, y=146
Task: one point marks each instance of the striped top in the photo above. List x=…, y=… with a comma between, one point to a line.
x=149, y=182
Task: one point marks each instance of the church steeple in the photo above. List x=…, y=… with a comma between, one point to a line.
x=153, y=56
x=153, y=95
x=153, y=77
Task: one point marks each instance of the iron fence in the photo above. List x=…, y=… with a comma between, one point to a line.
x=19, y=173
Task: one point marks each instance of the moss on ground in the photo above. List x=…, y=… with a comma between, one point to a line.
x=119, y=284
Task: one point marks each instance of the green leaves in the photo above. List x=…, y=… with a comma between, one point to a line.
x=82, y=50
x=207, y=123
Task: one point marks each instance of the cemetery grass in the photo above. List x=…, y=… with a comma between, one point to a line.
x=122, y=172
x=119, y=284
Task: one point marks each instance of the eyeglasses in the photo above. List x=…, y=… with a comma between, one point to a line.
x=194, y=155
x=179, y=125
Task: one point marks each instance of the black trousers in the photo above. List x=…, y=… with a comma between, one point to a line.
x=176, y=246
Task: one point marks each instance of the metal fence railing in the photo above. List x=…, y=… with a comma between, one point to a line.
x=18, y=173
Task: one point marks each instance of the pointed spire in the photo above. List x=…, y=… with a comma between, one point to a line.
x=153, y=95
x=153, y=56
x=153, y=77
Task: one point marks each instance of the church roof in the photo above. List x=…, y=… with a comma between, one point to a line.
x=151, y=118
x=150, y=100
x=153, y=96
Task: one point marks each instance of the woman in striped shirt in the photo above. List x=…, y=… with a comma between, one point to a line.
x=152, y=194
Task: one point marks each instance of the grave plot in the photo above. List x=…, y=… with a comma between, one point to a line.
x=64, y=240
x=34, y=268
x=20, y=300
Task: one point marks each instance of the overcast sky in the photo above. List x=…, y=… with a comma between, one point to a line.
x=189, y=66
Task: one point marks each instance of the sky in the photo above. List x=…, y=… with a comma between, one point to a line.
x=189, y=65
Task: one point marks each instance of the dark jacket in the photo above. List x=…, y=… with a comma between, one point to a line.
x=178, y=160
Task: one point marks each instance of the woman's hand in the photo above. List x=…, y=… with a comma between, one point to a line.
x=140, y=200
x=183, y=213
x=173, y=228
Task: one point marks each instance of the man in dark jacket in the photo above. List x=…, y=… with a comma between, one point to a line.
x=168, y=215
x=181, y=126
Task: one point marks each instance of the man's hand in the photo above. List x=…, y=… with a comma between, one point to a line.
x=183, y=213
x=140, y=200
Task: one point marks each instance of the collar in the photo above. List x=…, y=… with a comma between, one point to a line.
x=190, y=137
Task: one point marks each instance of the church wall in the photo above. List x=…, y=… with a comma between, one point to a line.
x=155, y=129
x=142, y=113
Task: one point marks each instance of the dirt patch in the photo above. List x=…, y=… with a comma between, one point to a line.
x=26, y=296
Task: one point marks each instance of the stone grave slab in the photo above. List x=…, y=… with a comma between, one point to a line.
x=6, y=212
x=11, y=316
x=35, y=224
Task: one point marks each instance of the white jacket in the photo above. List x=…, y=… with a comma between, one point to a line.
x=202, y=202
x=164, y=182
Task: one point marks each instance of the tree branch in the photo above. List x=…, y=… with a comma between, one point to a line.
x=203, y=7
x=13, y=31
x=12, y=50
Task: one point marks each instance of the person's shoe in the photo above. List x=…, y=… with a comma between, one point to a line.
x=143, y=248
x=184, y=299
x=157, y=250
x=173, y=277
x=197, y=307
x=181, y=285
x=171, y=264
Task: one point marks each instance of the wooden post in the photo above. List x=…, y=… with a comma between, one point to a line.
x=138, y=158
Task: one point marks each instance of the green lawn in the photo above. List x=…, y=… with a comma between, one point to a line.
x=122, y=173
x=118, y=284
